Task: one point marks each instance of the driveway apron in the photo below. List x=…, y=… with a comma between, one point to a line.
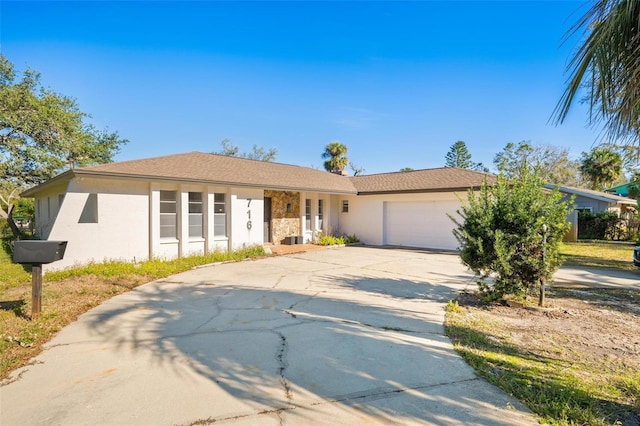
x=343, y=336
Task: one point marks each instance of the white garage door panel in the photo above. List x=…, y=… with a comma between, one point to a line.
x=420, y=224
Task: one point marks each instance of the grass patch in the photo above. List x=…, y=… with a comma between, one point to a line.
x=12, y=274
x=68, y=294
x=601, y=254
x=565, y=377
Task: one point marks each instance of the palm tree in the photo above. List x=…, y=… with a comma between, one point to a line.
x=607, y=64
x=601, y=167
x=336, y=153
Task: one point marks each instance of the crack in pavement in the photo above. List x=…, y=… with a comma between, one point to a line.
x=279, y=281
x=322, y=261
x=300, y=316
x=216, y=305
x=281, y=357
x=381, y=393
x=373, y=394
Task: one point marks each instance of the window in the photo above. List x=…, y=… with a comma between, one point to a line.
x=168, y=214
x=195, y=215
x=584, y=211
x=345, y=206
x=219, y=216
x=307, y=214
x=320, y=214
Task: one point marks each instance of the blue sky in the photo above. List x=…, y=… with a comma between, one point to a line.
x=397, y=82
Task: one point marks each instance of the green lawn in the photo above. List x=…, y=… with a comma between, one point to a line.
x=603, y=254
x=12, y=274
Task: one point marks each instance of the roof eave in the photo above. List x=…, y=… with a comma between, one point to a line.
x=56, y=180
x=419, y=191
x=130, y=176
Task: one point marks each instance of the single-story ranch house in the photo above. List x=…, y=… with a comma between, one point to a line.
x=176, y=205
x=597, y=201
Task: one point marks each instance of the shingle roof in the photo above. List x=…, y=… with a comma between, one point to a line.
x=597, y=195
x=198, y=167
x=429, y=180
x=221, y=169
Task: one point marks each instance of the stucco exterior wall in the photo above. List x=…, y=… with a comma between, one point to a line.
x=102, y=220
x=247, y=217
x=366, y=216
x=118, y=219
x=596, y=206
x=47, y=207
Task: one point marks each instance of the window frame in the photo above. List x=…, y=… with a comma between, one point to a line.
x=321, y=214
x=168, y=214
x=307, y=214
x=345, y=206
x=220, y=215
x=192, y=210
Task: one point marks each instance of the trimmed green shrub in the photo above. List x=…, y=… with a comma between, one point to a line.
x=502, y=234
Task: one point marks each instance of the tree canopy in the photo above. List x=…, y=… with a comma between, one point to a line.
x=510, y=233
x=606, y=65
x=634, y=186
x=551, y=163
x=601, y=167
x=42, y=133
x=336, y=155
x=458, y=156
x=259, y=153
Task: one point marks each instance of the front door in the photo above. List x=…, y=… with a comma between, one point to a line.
x=267, y=220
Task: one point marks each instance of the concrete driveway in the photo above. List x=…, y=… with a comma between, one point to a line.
x=342, y=336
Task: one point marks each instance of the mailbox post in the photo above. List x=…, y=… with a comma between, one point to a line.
x=36, y=253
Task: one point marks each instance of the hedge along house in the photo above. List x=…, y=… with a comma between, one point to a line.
x=176, y=205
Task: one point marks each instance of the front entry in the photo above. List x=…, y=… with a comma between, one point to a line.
x=267, y=220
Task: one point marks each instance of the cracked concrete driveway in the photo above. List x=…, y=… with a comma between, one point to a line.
x=338, y=337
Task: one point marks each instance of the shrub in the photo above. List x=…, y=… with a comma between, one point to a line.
x=332, y=240
x=502, y=234
x=601, y=226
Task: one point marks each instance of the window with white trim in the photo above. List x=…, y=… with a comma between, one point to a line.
x=195, y=215
x=307, y=214
x=168, y=214
x=320, y=214
x=219, y=215
x=345, y=206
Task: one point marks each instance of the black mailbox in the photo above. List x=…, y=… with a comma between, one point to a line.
x=37, y=252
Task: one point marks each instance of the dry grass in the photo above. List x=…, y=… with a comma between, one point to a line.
x=68, y=294
x=575, y=363
x=21, y=338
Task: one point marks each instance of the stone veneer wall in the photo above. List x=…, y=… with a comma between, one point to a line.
x=283, y=223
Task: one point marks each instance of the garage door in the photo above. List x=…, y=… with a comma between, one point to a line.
x=420, y=224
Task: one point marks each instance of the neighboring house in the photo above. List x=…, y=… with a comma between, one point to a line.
x=176, y=205
x=621, y=190
x=597, y=201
